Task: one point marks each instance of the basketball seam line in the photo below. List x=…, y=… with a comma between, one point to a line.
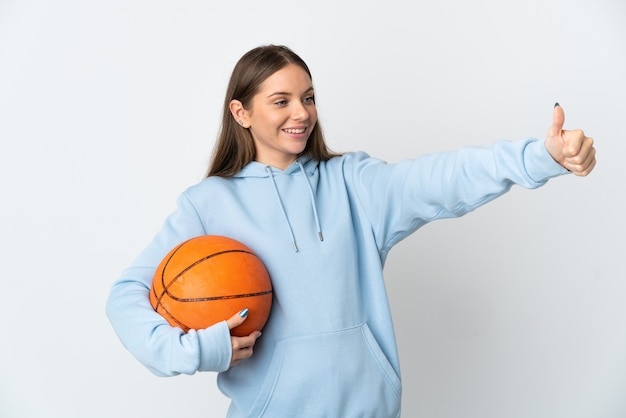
x=165, y=290
x=242, y=295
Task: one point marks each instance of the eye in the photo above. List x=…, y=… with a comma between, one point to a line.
x=309, y=100
x=281, y=103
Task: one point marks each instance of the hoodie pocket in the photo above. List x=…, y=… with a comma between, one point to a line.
x=337, y=374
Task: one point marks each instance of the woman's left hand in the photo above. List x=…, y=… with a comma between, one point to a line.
x=572, y=149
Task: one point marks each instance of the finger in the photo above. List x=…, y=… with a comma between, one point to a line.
x=240, y=355
x=573, y=143
x=588, y=169
x=237, y=319
x=584, y=171
x=558, y=119
x=243, y=347
x=583, y=163
x=580, y=148
x=590, y=152
x=240, y=343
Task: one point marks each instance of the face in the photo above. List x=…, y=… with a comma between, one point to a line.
x=281, y=116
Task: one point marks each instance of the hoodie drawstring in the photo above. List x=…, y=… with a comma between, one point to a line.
x=313, y=204
x=282, y=206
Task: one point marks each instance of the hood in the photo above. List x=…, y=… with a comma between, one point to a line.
x=257, y=169
x=303, y=167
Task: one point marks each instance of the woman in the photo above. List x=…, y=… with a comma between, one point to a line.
x=323, y=224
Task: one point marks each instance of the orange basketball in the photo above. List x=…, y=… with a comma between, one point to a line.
x=208, y=279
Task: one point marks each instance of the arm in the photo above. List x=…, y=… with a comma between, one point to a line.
x=163, y=349
x=400, y=198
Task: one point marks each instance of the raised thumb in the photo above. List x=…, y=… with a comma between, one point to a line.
x=558, y=119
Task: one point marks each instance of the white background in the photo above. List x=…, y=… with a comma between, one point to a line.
x=109, y=109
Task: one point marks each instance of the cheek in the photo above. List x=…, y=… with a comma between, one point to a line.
x=313, y=119
x=272, y=121
x=313, y=116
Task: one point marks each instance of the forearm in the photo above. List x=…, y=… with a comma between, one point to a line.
x=455, y=183
x=163, y=349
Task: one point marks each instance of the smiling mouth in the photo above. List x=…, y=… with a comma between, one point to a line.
x=295, y=130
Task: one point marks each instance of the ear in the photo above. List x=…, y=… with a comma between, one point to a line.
x=239, y=113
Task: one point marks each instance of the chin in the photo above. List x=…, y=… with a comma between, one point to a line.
x=298, y=151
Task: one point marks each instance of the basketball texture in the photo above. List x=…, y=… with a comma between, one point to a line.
x=207, y=279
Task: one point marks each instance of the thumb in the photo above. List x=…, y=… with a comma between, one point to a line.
x=237, y=319
x=558, y=119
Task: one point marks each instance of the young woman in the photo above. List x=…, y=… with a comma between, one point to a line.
x=323, y=224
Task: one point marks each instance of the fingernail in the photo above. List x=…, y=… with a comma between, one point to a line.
x=557, y=104
x=243, y=313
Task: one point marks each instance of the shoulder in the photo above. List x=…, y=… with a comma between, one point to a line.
x=355, y=165
x=208, y=187
x=348, y=160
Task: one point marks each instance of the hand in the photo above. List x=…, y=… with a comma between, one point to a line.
x=242, y=346
x=572, y=149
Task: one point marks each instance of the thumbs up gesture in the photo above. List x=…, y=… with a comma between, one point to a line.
x=572, y=149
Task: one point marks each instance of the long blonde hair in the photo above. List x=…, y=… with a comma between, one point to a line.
x=234, y=147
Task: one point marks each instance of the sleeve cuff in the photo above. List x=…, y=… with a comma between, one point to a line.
x=540, y=165
x=215, y=348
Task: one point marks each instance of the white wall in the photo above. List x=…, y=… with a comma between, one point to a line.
x=108, y=110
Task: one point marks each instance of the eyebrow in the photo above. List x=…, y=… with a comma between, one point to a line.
x=284, y=93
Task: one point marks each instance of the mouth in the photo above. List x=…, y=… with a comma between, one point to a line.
x=295, y=131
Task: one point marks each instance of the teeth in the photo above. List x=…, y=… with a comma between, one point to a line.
x=295, y=131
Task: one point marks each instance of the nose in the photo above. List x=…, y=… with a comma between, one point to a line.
x=299, y=111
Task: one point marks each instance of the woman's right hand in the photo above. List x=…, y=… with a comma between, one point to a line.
x=242, y=346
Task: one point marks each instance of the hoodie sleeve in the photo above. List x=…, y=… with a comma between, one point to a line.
x=400, y=198
x=163, y=349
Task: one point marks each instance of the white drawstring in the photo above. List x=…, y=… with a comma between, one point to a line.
x=282, y=206
x=313, y=204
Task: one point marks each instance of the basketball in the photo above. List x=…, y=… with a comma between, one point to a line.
x=208, y=279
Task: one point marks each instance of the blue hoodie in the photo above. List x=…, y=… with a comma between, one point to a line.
x=323, y=230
